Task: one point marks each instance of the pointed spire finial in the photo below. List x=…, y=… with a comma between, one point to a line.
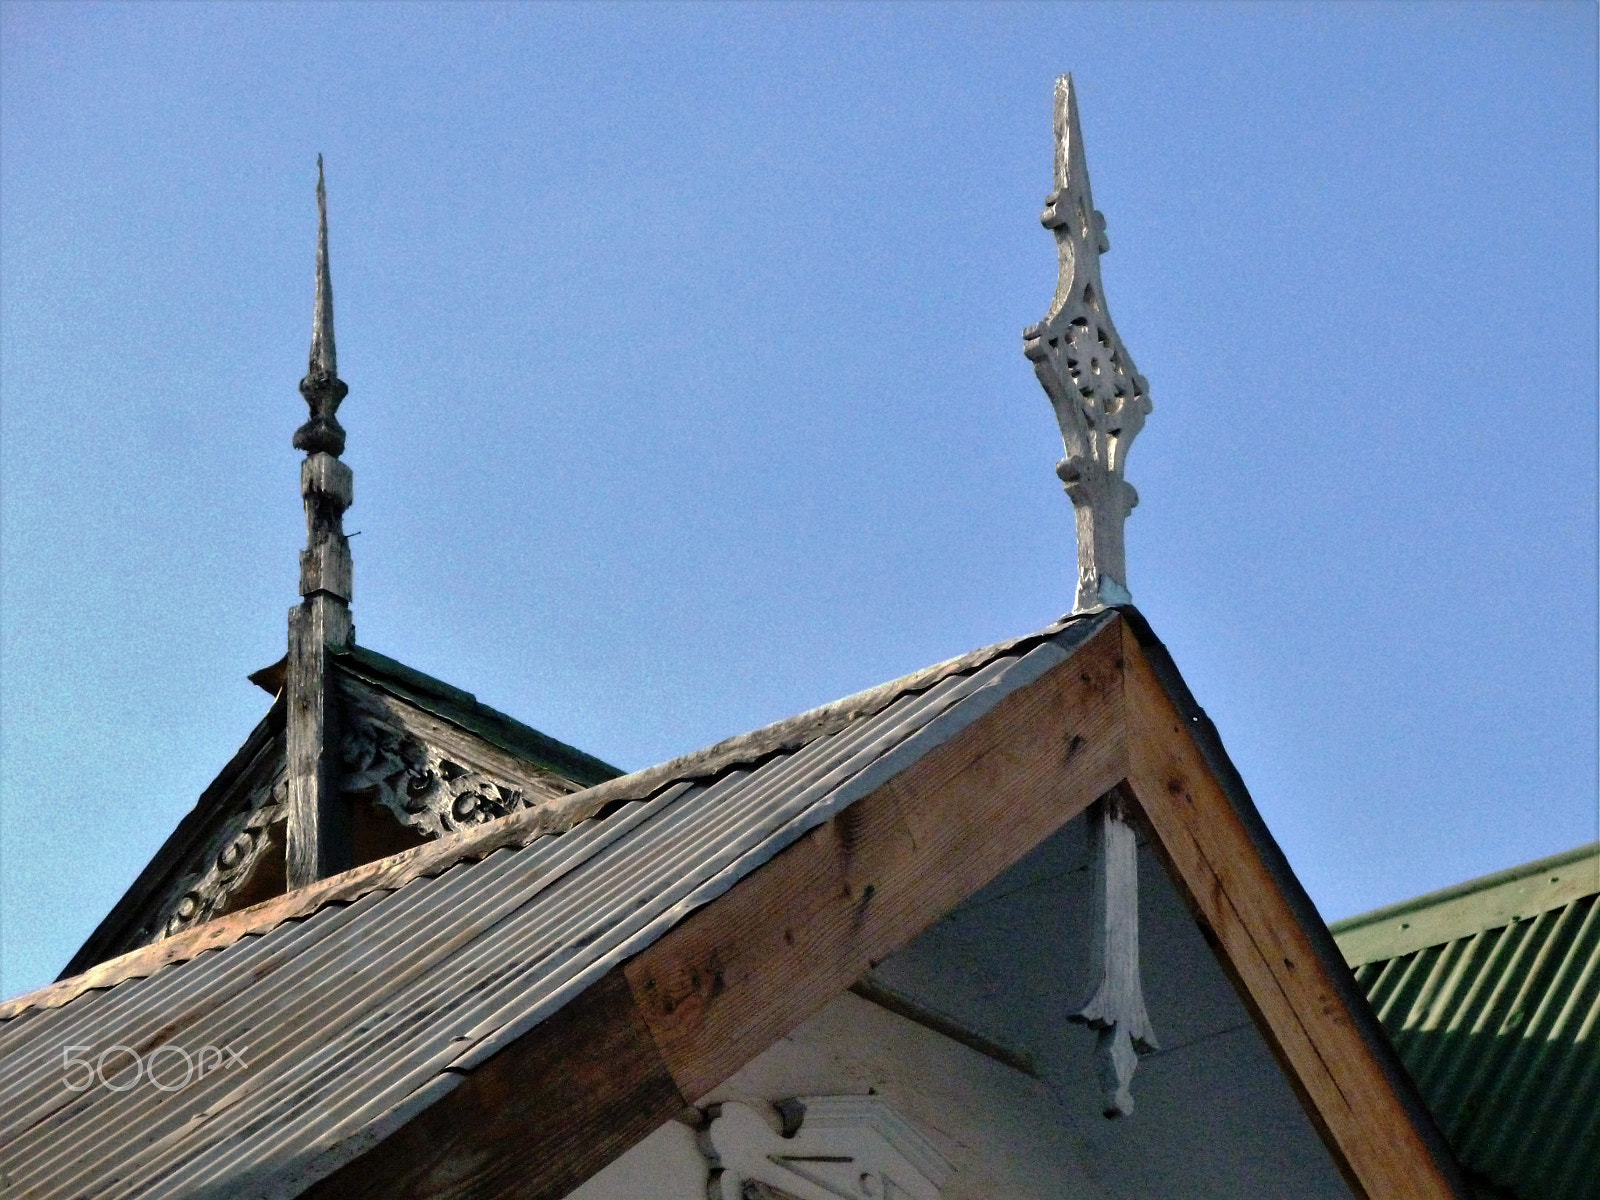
x=322, y=387
x=319, y=834
x=1100, y=399
x=324, y=356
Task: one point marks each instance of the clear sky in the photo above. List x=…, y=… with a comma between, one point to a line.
x=687, y=388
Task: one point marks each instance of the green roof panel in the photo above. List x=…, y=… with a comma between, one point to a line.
x=1490, y=991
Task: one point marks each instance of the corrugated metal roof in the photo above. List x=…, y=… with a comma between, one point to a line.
x=354, y=1017
x=1497, y=1017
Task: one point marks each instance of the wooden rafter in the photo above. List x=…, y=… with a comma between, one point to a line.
x=694, y=1007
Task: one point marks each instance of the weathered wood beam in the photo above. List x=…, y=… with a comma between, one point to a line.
x=319, y=817
x=741, y=973
x=689, y=1011
x=1240, y=890
x=583, y=1087
x=319, y=842
x=535, y=1120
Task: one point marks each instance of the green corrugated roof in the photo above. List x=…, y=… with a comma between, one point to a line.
x=1490, y=991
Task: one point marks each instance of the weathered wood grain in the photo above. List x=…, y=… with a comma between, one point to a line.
x=515, y=830
x=1220, y=868
x=319, y=816
x=361, y=699
x=532, y=1122
x=730, y=980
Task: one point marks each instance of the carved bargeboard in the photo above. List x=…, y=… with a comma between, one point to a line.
x=228, y=859
x=231, y=861
x=427, y=774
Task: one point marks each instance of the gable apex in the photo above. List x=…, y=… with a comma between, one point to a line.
x=684, y=920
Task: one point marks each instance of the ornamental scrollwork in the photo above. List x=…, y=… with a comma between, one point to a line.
x=1099, y=397
x=423, y=788
x=229, y=860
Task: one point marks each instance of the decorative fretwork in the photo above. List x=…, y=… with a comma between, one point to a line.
x=230, y=859
x=1116, y=1007
x=819, y=1148
x=424, y=787
x=1100, y=399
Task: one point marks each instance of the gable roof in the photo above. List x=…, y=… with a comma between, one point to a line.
x=628, y=947
x=460, y=708
x=238, y=796
x=1490, y=991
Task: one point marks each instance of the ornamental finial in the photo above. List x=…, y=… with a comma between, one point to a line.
x=324, y=357
x=319, y=822
x=325, y=483
x=1100, y=400
x=322, y=386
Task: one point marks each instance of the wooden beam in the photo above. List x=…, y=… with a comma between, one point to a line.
x=534, y=1121
x=742, y=972
x=319, y=817
x=1237, y=885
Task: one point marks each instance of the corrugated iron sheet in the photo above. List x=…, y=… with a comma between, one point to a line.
x=1498, y=1025
x=354, y=1018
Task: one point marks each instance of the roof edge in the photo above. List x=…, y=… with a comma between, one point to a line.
x=191, y=827
x=462, y=708
x=522, y=827
x=1208, y=741
x=1487, y=902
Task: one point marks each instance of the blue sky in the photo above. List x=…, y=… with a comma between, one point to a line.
x=687, y=392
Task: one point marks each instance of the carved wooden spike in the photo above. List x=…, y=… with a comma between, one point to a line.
x=1117, y=1007
x=1100, y=399
x=319, y=832
x=322, y=386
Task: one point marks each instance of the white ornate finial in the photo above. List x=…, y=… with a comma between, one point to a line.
x=1101, y=401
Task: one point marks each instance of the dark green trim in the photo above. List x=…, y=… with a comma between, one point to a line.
x=1458, y=911
x=463, y=709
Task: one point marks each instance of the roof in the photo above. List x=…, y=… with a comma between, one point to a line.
x=449, y=956
x=513, y=1006
x=459, y=707
x=241, y=787
x=1490, y=991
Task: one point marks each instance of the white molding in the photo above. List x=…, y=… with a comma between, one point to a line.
x=846, y=1148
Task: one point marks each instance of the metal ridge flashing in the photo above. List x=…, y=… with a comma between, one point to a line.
x=1488, y=902
x=462, y=708
x=523, y=827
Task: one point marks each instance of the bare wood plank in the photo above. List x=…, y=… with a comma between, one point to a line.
x=1281, y=976
x=532, y=1122
x=319, y=817
x=725, y=984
